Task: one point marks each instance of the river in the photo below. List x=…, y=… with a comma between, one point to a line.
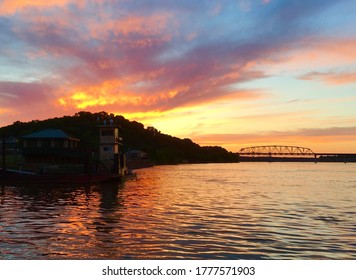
x=194, y=211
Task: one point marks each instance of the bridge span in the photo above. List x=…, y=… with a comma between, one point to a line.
x=276, y=151
x=291, y=152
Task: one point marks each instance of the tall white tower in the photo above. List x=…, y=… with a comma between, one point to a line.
x=109, y=148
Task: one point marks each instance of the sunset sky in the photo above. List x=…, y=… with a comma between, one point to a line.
x=233, y=73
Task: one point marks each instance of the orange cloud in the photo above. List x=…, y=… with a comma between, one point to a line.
x=13, y=6
x=149, y=28
x=5, y=110
x=331, y=78
x=120, y=93
x=148, y=25
x=332, y=51
x=109, y=92
x=312, y=54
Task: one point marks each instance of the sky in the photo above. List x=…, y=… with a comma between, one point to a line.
x=233, y=73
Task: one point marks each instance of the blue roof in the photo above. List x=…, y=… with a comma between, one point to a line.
x=48, y=133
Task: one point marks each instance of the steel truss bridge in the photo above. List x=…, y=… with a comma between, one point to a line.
x=291, y=152
x=268, y=151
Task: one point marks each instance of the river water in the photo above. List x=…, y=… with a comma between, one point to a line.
x=202, y=211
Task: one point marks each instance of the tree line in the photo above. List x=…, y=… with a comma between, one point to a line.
x=160, y=148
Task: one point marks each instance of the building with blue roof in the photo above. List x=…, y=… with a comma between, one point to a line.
x=50, y=138
x=50, y=145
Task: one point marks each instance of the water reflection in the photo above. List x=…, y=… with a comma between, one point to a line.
x=249, y=211
x=2, y=195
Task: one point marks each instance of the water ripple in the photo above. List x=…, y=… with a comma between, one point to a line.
x=287, y=211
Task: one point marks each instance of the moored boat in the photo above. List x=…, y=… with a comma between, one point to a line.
x=21, y=177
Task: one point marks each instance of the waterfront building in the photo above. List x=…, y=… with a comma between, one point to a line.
x=50, y=145
x=111, y=158
x=11, y=145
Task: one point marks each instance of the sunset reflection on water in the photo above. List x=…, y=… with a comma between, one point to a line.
x=210, y=211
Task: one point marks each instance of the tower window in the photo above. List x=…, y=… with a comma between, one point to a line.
x=107, y=132
x=107, y=149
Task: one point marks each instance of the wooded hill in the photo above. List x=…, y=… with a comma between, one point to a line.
x=161, y=148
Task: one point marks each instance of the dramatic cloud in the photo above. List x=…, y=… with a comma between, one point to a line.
x=152, y=58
